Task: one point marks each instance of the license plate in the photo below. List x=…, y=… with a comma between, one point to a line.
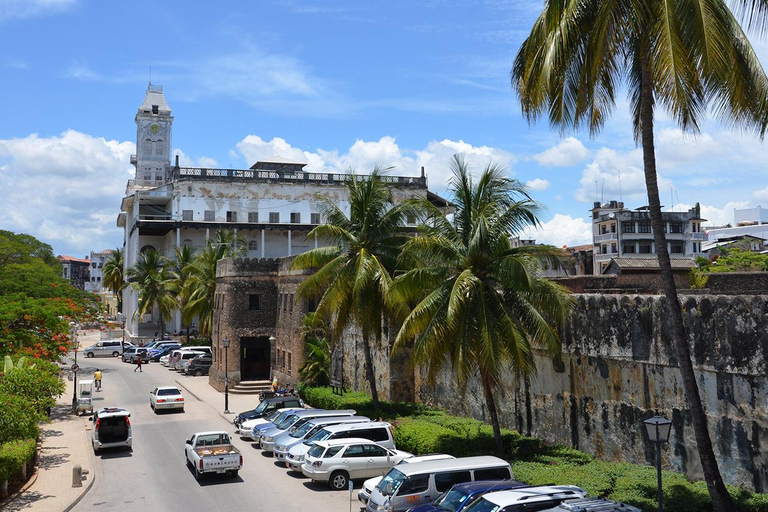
x=220, y=471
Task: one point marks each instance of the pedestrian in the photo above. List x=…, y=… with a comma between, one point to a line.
x=97, y=379
x=274, y=384
x=138, y=363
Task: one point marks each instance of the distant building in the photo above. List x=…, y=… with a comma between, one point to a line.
x=744, y=242
x=75, y=270
x=96, y=281
x=748, y=221
x=622, y=233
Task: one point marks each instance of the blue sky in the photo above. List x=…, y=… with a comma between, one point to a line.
x=338, y=84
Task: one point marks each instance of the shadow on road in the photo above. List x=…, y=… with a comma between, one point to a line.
x=115, y=454
x=215, y=479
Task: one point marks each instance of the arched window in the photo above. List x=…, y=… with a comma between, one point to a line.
x=188, y=243
x=159, y=147
x=147, y=149
x=253, y=246
x=146, y=248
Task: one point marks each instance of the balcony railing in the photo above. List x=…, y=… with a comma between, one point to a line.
x=697, y=236
x=284, y=176
x=605, y=237
x=606, y=257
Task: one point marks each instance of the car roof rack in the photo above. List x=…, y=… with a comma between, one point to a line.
x=596, y=505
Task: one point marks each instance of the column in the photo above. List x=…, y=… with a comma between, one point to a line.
x=178, y=237
x=263, y=252
x=289, y=243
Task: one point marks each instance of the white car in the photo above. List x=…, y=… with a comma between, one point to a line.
x=369, y=484
x=166, y=397
x=337, y=461
x=166, y=360
x=536, y=498
x=247, y=427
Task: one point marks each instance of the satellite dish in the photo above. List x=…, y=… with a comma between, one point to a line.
x=611, y=215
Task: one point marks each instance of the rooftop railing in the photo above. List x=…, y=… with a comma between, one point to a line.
x=284, y=176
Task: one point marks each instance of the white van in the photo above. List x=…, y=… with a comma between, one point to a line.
x=411, y=485
x=111, y=348
x=182, y=356
x=111, y=429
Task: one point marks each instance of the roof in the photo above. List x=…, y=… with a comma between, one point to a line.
x=488, y=485
x=277, y=160
x=458, y=463
x=352, y=426
x=63, y=257
x=587, y=247
x=528, y=494
x=155, y=97
x=343, y=441
x=652, y=263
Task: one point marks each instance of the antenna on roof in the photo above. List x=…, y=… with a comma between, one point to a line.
x=150, y=76
x=620, y=198
x=597, y=194
x=602, y=192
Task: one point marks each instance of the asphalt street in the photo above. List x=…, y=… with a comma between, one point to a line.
x=154, y=475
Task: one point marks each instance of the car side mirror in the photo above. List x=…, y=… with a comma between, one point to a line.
x=188, y=441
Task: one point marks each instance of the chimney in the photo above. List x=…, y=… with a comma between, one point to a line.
x=422, y=171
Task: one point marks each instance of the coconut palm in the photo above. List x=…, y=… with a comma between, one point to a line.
x=179, y=269
x=686, y=56
x=478, y=305
x=316, y=370
x=150, y=278
x=353, y=272
x=113, y=276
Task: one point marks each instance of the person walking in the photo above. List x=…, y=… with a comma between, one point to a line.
x=97, y=379
x=138, y=363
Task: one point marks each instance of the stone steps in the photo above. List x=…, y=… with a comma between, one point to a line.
x=251, y=387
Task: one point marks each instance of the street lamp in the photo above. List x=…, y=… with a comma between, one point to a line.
x=225, y=342
x=658, y=429
x=75, y=345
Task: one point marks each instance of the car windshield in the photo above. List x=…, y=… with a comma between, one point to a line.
x=296, y=426
x=451, y=500
x=483, y=506
x=316, y=451
x=169, y=391
x=395, y=478
x=261, y=407
x=287, y=422
x=321, y=435
x=299, y=431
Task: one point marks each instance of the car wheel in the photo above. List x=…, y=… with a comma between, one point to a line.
x=233, y=473
x=89, y=354
x=114, y=354
x=198, y=373
x=339, y=480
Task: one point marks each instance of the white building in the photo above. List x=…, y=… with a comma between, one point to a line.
x=618, y=232
x=96, y=282
x=272, y=205
x=748, y=221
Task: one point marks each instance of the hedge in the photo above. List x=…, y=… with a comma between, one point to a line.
x=325, y=398
x=13, y=455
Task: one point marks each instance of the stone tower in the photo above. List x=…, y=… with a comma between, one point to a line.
x=153, y=139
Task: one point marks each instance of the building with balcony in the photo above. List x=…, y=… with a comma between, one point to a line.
x=75, y=270
x=98, y=259
x=618, y=232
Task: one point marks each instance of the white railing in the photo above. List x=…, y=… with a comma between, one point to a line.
x=605, y=237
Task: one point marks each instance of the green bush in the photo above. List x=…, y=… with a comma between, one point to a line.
x=13, y=455
x=17, y=419
x=325, y=398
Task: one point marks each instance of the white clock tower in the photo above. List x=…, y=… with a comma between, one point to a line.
x=153, y=139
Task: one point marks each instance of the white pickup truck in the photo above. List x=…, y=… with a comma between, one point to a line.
x=212, y=452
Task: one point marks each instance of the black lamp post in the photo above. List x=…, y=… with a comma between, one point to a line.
x=225, y=343
x=75, y=345
x=658, y=429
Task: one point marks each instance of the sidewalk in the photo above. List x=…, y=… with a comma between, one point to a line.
x=200, y=389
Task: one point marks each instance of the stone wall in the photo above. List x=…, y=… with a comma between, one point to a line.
x=738, y=283
x=619, y=365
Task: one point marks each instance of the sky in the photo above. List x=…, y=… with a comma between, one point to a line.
x=338, y=84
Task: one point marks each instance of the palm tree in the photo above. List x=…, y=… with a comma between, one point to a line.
x=687, y=56
x=113, y=276
x=316, y=370
x=179, y=269
x=478, y=305
x=353, y=275
x=151, y=278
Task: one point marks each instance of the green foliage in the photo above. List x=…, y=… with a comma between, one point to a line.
x=739, y=260
x=22, y=248
x=361, y=402
x=17, y=420
x=38, y=384
x=151, y=278
x=698, y=278
x=36, y=327
x=13, y=455
x=316, y=370
x=36, y=279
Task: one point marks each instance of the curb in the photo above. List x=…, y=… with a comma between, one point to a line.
x=221, y=413
x=91, y=474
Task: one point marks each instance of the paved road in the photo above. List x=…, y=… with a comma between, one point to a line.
x=154, y=476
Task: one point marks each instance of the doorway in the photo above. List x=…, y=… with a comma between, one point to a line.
x=254, y=358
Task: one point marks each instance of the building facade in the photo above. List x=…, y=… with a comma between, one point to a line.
x=618, y=232
x=75, y=270
x=96, y=281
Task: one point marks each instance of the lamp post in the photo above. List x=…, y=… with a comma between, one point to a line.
x=75, y=345
x=225, y=343
x=658, y=429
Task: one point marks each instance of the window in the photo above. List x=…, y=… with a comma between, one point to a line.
x=155, y=109
x=628, y=227
x=675, y=227
x=628, y=248
x=646, y=249
x=231, y=216
x=443, y=481
x=187, y=242
x=374, y=450
x=210, y=215
x=290, y=302
x=253, y=246
x=311, y=305
x=314, y=218
x=254, y=302
x=186, y=215
x=98, y=278
x=644, y=227
x=289, y=362
x=274, y=217
x=414, y=484
x=159, y=147
x=613, y=228
x=676, y=248
x=295, y=218
x=253, y=217
x=613, y=248
x=492, y=474
x=330, y=452
x=355, y=450
x=603, y=230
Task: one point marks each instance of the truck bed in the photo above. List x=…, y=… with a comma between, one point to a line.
x=222, y=449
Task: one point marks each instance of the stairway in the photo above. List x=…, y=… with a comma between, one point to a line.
x=251, y=387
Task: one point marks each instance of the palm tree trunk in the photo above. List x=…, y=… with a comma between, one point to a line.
x=721, y=500
x=491, y=404
x=370, y=375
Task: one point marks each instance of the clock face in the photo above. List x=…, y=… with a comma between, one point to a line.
x=153, y=129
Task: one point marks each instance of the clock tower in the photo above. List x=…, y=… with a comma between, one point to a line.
x=153, y=139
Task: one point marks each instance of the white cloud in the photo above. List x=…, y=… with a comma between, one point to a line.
x=64, y=190
x=563, y=230
x=538, y=184
x=569, y=151
x=19, y=9
x=187, y=161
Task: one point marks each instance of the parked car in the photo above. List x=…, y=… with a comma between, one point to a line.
x=337, y=461
x=461, y=496
x=159, y=351
x=410, y=485
x=199, y=365
x=285, y=422
x=267, y=440
x=212, y=452
x=544, y=497
x=111, y=429
x=594, y=505
x=165, y=360
x=247, y=426
x=132, y=354
x=111, y=348
x=378, y=431
x=166, y=397
x=266, y=407
x=182, y=356
x=297, y=435
x=371, y=483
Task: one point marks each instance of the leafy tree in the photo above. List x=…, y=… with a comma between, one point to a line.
x=479, y=306
x=22, y=248
x=736, y=259
x=353, y=275
x=38, y=384
x=36, y=279
x=233, y=244
x=17, y=420
x=685, y=56
x=316, y=370
x=179, y=269
x=36, y=327
x=151, y=279
x=113, y=276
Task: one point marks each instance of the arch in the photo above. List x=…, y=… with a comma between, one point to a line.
x=159, y=147
x=147, y=247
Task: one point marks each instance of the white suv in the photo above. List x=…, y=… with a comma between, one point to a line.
x=111, y=429
x=544, y=497
x=337, y=461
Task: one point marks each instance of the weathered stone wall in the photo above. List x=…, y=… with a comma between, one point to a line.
x=738, y=283
x=619, y=365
